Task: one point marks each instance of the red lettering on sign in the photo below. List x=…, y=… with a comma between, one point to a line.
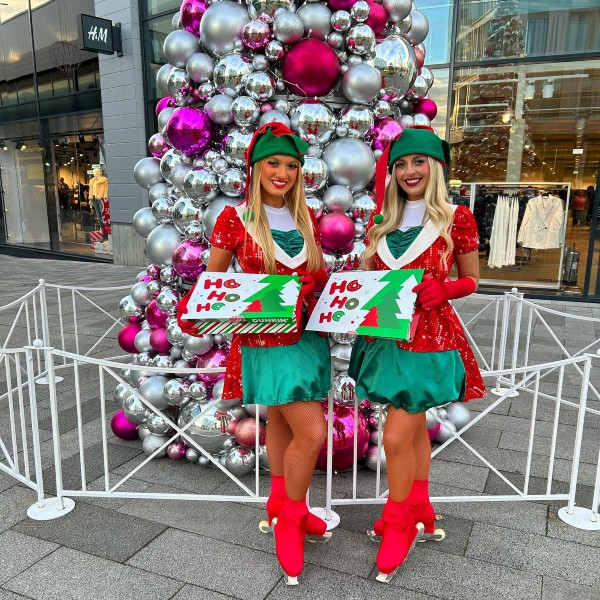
x=201, y=307
x=325, y=318
x=218, y=283
x=214, y=295
x=339, y=301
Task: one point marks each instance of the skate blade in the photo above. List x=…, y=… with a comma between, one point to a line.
x=290, y=580
x=387, y=577
x=264, y=527
x=373, y=536
x=319, y=539
x=437, y=535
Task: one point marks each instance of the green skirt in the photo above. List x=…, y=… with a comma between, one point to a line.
x=412, y=381
x=274, y=375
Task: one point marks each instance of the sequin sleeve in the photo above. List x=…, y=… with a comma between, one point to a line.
x=316, y=230
x=368, y=229
x=226, y=233
x=464, y=231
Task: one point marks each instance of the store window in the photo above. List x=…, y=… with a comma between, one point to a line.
x=439, y=94
x=155, y=32
x=156, y=7
x=526, y=132
x=438, y=44
x=495, y=29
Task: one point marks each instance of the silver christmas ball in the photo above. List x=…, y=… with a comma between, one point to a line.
x=288, y=27
x=134, y=409
x=161, y=244
x=184, y=212
x=427, y=76
x=235, y=144
x=365, y=203
x=260, y=86
x=200, y=67
x=397, y=10
x=177, y=79
x=198, y=392
x=252, y=409
x=152, y=389
x=167, y=300
x=277, y=116
x=121, y=392
x=244, y=111
x=430, y=416
x=230, y=70
x=144, y=222
x=179, y=46
x=218, y=109
x=316, y=19
x=221, y=26
x=350, y=162
x=162, y=76
x=240, y=461
x=267, y=7
x=341, y=356
x=232, y=182
x=260, y=63
x=155, y=423
x=128, y=307
x=336, y=41
x=140, y=293
x=314, y=173
x=360, y=11
x=197, y=345
x=337, y=198
x=360, y=39
x=163, y=361
x=361, y=83
x=208, y=430
x=382, y=109
x=314, y=203
x=421, y=120
x=458, y=414
x=274, y=51
x=192, y=455
x=153, y=442
x=343, y=389
x=147, y=172
x=395, y=58
x=341, y=20
x=447, y=430
x=142, y=340
x=314, y=121
x=159, y=190
x=202, y=184
x=358, y=119
x=373, y=456
x=419, y=28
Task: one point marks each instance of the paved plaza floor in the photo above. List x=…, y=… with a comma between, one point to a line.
x=122, y=549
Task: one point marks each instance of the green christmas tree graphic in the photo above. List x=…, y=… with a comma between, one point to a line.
x=270, y=301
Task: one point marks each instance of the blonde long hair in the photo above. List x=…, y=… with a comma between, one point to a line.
x=437, y=210
x=295, y=200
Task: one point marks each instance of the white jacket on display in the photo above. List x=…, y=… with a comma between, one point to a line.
x=543, y=223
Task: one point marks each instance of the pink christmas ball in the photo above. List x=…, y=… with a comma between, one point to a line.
x=420, y=57
x=343, y=437
x=153, y=271
x=156, y=318
x=187, y=259
x=337, y=230
x=217, y=357
x=311, y=68
x=158, y=145
x=191, y=14
x=145, y=278
x=256, y=34
x=341, y=4
x=245, y=432
x=377, y=17
x=127, y=335
x=190, y=130
x=176, y=450
x=384, y=131
x=427, y=107
x=163, y=103
x=122, y=427
x=434, y=431
x=159, y=341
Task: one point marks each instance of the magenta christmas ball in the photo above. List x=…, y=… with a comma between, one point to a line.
x=176, y=450
x=158, y=145
x=384, y=131
x=377, y=18
x=187, y=259
x=434, y=431
x=153, y=271
x=341, y=4
x=166, y=102
x=127, y=335
x=159, y=341
x=245, y=432
x=122, y=427
x=191, y=14
x=156, y=318
x=343, y=437
x=311, y=68
x=427, y=107
x=189, y=130
x=213, y=359
x=337, y=230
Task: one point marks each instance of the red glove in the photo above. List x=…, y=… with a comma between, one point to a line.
x=312, y=281
x=430, y=293
x=186, y=325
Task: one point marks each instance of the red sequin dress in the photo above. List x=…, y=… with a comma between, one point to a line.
x=439, y=328
x=229, y=234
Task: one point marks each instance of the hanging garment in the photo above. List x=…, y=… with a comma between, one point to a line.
x=543, y=223
x=504, y=232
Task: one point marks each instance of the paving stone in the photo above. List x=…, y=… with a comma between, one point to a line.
x=558, y=529
x=67, y=418
x=557, y=589
x=18, y=552
x=6, y=595
x=114, y=503
x=317, y=582
x=14, y=503
x=71, y=575
x=168, y=554
x=482, y=436
x=6, y=481
x=94, y=466
x=210, y=519
x=460, y=578
x=191, y=592
x=104, y=533
x=535, y=554
x=467, y=476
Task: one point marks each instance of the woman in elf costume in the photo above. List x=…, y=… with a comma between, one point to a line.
x=416, y=227
x=274, y=231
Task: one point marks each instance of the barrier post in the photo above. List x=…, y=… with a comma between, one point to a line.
x=499, y=390
x=576, y=516
x=45, y=332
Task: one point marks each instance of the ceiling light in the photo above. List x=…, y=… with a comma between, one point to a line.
x=20, y=145
x=506, y=117
x=3, y=145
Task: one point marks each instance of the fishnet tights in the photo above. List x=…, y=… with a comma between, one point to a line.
x=295, y=434
x=407, y=451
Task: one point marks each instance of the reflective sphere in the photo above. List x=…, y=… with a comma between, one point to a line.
x=209, y=430
x=230, y=69
x=179, y=46
x=396, y=61
x=153, y=442
x=350, y=162
x=361, y=83
x=337, y=198
x=315, y=174
x=313, y=121
x=200, y=67
x=240, y=461
x=221, y=26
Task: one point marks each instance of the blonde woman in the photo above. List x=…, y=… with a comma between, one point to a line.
x=414, y=227
x=274, y=231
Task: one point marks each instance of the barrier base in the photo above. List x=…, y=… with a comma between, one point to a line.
x=500, y=391
x=332, y=522
x=50, y=509
x=580, y=518
x=45, y=381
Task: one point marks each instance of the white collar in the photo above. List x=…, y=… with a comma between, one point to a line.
x=426, y=237
x=291, y=262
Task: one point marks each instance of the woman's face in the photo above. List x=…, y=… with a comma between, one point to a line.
x=412, y=175
x=277, y=177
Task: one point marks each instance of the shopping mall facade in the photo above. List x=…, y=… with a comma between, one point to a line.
x=517, y=85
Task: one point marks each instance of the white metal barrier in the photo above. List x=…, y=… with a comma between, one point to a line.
x=52, y=313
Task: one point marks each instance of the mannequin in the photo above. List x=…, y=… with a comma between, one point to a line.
x=99, y=191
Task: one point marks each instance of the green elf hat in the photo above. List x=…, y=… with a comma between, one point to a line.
x=413, y=140
x=276, y=138
x=270, y=139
